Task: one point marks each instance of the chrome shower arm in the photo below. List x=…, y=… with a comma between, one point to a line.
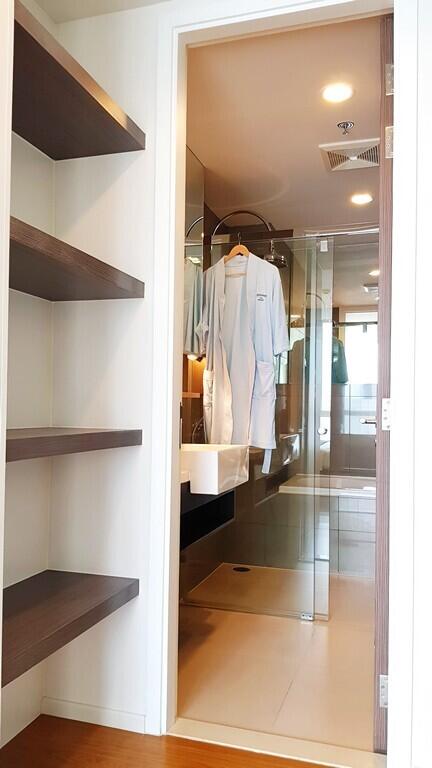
x=241, y=213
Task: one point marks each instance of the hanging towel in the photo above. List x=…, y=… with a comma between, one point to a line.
x=339, y=366
x=192, y=313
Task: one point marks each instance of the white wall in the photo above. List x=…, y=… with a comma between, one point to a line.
x=30, y=333
x=32, y=185
x=21, y=702
x=29, y=361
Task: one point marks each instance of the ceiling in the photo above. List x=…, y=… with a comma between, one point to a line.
x=67, y=10
x=256, y=118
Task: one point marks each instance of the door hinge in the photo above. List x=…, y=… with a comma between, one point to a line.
x=383, y=691
x=386, y=414
x=389, y=79
x=389, y=142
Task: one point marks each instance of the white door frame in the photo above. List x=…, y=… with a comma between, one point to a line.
x=188, y=22
x=6, y=59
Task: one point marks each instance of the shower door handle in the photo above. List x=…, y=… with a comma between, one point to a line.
x=368, y=421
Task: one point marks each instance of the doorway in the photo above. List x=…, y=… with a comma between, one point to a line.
x=202, y=26
x=325, y=328
x=291, y=576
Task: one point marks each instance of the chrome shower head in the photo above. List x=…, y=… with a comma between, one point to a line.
x=279, y=260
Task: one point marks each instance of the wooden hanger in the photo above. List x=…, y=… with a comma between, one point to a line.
x=238, y=250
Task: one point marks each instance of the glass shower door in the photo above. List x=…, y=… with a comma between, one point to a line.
x=320, y=284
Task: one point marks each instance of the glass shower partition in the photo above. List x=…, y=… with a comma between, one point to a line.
x=274, y=556
x=318, y=380
x=305, y=496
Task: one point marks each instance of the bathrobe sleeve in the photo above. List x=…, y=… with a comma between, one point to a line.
x=279, y=320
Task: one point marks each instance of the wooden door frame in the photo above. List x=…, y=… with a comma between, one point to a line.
x=383, y=391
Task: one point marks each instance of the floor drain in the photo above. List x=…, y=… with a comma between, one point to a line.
x=241, y=569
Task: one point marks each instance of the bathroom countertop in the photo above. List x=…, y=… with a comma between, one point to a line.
x=330, y=485
x=184, y=476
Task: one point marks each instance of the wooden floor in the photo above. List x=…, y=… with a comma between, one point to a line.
x=53, y=743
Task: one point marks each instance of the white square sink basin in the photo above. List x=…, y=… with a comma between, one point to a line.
x=214, y=469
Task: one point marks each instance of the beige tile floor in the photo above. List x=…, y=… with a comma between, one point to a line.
x=306, y=680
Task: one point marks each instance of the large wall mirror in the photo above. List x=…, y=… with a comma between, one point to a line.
x=193, y=257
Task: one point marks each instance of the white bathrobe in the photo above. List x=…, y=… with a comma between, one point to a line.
x=245, y=385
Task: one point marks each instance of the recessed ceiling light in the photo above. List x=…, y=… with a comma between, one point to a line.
x=374, y=273
x=361, y=198
x=337, y=92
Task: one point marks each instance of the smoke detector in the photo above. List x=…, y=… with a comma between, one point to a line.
x=349, y=155
x=345, y=126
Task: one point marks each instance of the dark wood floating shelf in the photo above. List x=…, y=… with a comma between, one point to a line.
x=43, y=613
x=47, y=267
x=56, y=441
x=57, y=106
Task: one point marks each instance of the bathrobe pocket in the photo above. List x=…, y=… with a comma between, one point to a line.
x=208, y=383
x=264, y=385
x=262, y=429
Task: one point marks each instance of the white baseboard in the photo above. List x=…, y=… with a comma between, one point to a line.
x=86, y=713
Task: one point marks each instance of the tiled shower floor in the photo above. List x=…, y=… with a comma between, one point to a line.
x=307, y=680
x=277, y=591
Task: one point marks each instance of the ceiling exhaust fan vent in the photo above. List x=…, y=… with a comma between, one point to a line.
x=349, y=155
